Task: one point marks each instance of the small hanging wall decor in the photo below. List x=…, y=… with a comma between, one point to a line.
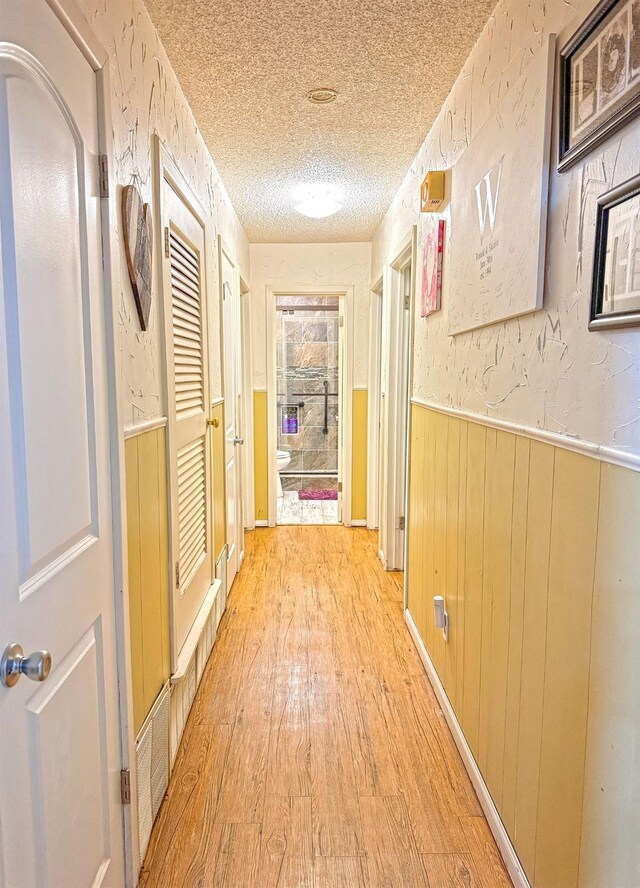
x=432, y=268
x=599, y=78
x=137, y=236
x=615, y=293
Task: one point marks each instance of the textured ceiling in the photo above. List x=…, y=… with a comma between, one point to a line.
x=247, y=65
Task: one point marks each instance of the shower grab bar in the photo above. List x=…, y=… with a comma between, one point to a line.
x=326, y=395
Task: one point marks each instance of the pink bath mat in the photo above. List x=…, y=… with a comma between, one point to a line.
x=318, y=494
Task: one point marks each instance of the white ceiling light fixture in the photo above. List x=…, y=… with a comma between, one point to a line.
x=322, y=95
x=318, y=199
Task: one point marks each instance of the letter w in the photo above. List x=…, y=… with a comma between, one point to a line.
x=490, y=201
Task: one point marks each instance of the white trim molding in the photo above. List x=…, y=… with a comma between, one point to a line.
x=373, y=405
x=191, y=642
x=508, y=852
x=602, y=452
x=148, y=426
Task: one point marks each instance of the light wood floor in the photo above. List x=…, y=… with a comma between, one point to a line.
x=316, y=755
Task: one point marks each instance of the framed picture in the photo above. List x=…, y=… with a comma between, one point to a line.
x=599, y=78
x=615, y=291
x=432, y=268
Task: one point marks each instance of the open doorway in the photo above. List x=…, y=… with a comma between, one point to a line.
x=308, y=409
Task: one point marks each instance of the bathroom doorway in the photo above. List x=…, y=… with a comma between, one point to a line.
x=308, y=343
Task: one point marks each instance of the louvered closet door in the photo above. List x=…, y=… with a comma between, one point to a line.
x=189, y=402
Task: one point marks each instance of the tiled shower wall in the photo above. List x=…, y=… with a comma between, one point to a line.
x=307, y=356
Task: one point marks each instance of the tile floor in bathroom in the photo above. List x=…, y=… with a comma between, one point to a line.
x=292, y=510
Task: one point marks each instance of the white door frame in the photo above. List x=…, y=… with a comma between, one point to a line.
x=247, y=419
x=85, y=38
x=224, y=249
x=373, y=430
x=397, y=433
x=346, y=295
x=415, y=277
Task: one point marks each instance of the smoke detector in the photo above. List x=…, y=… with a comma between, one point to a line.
x=323, y=95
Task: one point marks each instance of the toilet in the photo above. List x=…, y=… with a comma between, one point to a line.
x=282, y=461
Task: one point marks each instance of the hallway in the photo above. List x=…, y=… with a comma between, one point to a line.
x=316, y=753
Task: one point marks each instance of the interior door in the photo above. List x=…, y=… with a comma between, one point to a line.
x=60, y=812
x=188, y=408
x=234, y=436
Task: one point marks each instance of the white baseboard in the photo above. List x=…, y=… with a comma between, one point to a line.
x=496, y=825
x=359, y=523
x=262, y=524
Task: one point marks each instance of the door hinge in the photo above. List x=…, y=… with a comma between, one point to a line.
x=341, y=321
x=103, y=175
x=407, y=303
x=125, y=786
x=177, y=574
x=166, y=242
x=401, y=523
x=339, y=486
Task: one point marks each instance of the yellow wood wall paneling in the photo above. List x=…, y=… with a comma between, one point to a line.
x=163, y=499
x=462, y=589
x=534, y=648
x=426, y=544
x=218, y=476
x=523, y=538
x=260, y=456
x=135, y=597
x=151, y=569
x=429, y=560
x=489, y=553
x=474, y=548
x=440, y=532
x=359, y=435
x=611, y=807
x=451, y=548
x=415, y=530
x=516, y=621
x=501, y=546
x=147, y=535
x=566, y=691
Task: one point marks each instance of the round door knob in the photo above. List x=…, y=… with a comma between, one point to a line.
x=13, y=664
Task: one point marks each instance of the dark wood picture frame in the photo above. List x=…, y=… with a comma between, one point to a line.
x=606, y=202
x=569, y=154
x=137, y=235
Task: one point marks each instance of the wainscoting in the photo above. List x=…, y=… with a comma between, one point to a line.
x=260, y=456
x=147, y=541
x=359, y=456
x=535, y=549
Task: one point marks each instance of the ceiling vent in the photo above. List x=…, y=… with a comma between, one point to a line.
x=322, y=96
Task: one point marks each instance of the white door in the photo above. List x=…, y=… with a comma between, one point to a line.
x=60, y=814
x=188, y=396
x=234, y=437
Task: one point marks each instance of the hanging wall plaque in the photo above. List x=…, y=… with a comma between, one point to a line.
x=137, y=236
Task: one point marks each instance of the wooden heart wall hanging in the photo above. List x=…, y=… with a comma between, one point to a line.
x=138, y=245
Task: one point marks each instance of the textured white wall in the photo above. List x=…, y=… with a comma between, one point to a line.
x=147, y=98
x=544, y=370
x=310, y=265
